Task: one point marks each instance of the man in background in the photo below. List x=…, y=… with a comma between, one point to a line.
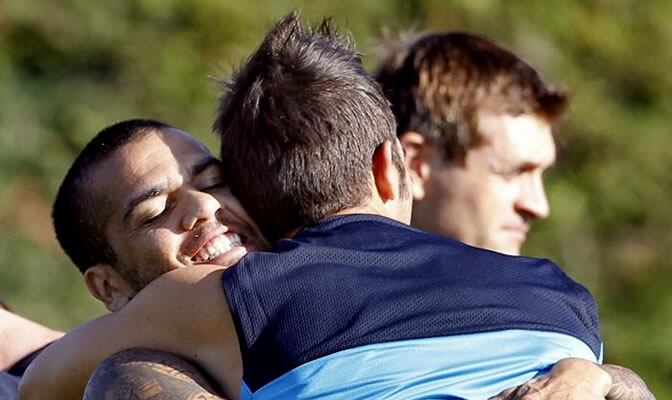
x=475, y=122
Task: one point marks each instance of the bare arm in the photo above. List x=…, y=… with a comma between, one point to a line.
x=183, y=312
x=20, y=337
x=145, y=374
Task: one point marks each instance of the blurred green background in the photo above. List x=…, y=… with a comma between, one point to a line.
x=71, y=67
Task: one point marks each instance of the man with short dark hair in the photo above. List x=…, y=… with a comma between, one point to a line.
x=141, y=199
x=351, y=284
x=475, y=121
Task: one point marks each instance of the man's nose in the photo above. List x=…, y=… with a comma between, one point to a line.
x=532, y=198
x=198, y=207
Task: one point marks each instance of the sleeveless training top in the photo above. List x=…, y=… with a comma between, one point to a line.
x=360, y=306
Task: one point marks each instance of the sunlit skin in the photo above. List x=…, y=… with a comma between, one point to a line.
x=20, y=337
x=166, y=202
x=491, y=198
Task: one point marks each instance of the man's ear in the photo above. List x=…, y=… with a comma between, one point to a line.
x=385, y=174
x=415, y=148
x=108, y=286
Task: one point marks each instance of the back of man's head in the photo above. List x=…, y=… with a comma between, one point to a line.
x=439, y=83
x=299, y=123
x=79, y=214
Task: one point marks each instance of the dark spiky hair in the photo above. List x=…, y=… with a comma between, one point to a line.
x=299, y=123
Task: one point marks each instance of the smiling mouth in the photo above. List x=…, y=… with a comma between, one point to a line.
x=217, y=246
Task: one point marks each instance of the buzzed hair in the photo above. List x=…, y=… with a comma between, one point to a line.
x=299, y=123
x=78, y=214
x=438, y=84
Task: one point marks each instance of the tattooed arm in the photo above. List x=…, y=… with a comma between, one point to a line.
x=627, y=385
x=145, y=374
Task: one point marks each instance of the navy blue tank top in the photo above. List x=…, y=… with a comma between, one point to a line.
x=360, y=279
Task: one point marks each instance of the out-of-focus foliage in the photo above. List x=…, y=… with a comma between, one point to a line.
x=71, y=67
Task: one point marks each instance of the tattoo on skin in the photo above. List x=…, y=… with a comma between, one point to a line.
x=626, y=384
x=144, y=375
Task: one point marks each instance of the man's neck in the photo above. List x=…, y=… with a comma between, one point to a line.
x=364, y=209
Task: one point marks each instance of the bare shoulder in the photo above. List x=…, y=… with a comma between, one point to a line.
x=190, y=309
x=189, y=300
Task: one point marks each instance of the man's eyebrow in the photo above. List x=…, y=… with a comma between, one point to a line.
x=146, y=195
x=204, y=164
x=158, y=190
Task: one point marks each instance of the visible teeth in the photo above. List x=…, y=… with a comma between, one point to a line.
x=203, y=255
x=217, y=246
x=222, y=242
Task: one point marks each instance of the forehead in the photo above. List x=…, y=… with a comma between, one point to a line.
x=523, y=138
x=155, y=158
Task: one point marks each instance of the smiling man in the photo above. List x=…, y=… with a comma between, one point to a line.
x=475, y=122
x=144, y=198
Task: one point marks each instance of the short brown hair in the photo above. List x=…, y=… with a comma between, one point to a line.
x=439, y=83
x=299, y=124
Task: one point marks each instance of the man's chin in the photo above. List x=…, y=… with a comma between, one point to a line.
x=505, y=245
x=512, y=249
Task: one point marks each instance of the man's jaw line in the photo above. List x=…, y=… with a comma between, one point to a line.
x=512, y=239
